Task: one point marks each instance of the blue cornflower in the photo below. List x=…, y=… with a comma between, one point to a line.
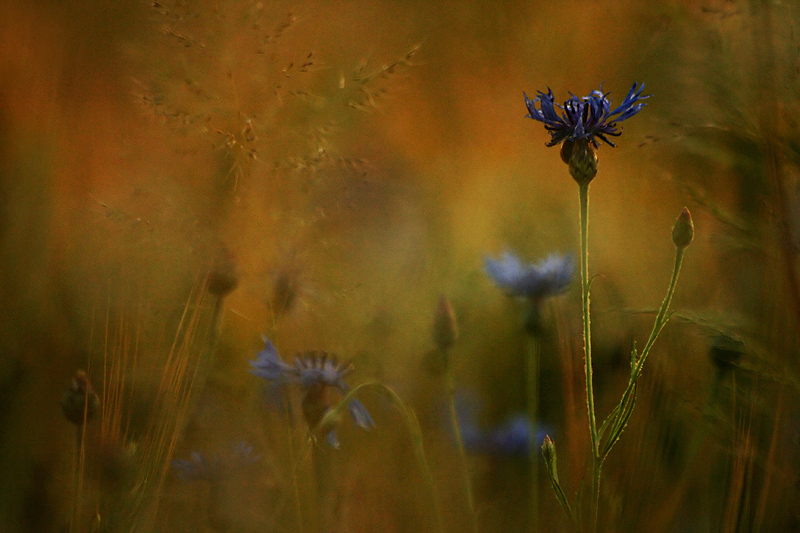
x=589, y=117
x=202, y=468
x=534, y=281
x=514, y=437
x=317, y=372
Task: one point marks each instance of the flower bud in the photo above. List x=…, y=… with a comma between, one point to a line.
x=224, y=275
x=549, y=452
x=683, y=230
x=445, y=327
x=80, y=402
x=582, y=160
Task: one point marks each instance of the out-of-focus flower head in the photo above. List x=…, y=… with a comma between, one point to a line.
x=214, y=468
x=536, y=281
x=317, y=372
x=269, y=366
x=321, y=368
x=515, y=436
x=589, y=117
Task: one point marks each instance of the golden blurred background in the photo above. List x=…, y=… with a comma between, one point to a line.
x=356, y=160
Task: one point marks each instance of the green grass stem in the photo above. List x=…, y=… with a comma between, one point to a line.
x=451, y=392
x=532, y=391
x=414, y=430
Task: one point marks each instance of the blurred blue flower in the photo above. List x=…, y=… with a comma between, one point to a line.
x=269, y=366
x=202, y=468
x=535, y=281
x=319, y=367
x=316, y=372
x=513, y=437
x=589, y=117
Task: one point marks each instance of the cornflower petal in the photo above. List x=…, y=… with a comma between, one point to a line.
x=318, y=367
x=268, y=364
x=360, y=415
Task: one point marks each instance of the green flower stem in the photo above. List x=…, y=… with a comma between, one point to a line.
x=76, y=503
x=597, y=468
x=298, y=508
x=413, y=428
x=587, y=348
x=587, y=330
x=451, y=390
x=532, y=391
x=661, y=320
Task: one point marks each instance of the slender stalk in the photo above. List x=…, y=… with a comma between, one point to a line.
x=597, y=467
x=587, y=330
x=532, y=390
x=661, y=317
x=293, y=459
x=76, y=504
x=661, y=320
x=413, y=428
x=587, y=348
x=451, y=390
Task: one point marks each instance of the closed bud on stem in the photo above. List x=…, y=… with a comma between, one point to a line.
x=582, y=160
x=224, y=275
x=683, y=230
x=445, y=327
x=549, y=454
x=80, y=402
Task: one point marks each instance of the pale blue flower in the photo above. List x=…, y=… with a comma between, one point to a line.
x=269, y=366
x=515, y=436
x=202, y=468
x=316, y=372
x=537, y=281
x=319, y=367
